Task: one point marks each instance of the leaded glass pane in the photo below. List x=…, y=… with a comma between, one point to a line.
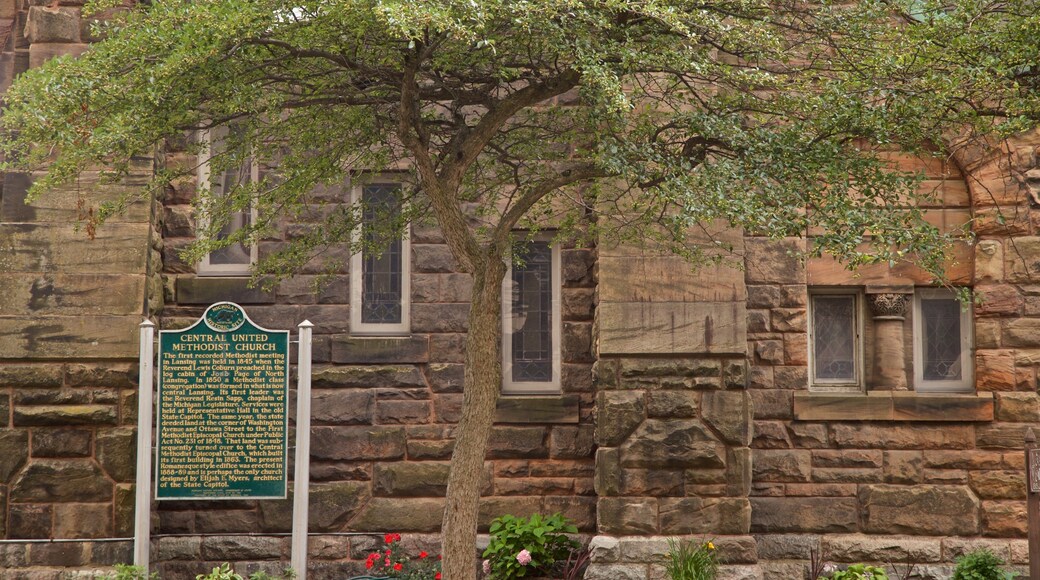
x=834, y=338
x=532, y=315
x=238, y=253
x=381, y=272
x=941, y=322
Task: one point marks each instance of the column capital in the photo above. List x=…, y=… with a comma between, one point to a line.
x=889, y=305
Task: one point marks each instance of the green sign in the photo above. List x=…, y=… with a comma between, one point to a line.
x=222, y=424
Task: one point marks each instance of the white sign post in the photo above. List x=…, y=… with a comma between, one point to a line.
x=143, y=505
x=301, y=480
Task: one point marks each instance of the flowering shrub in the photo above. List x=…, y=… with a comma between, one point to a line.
x=392, y=563
x=689, y=560
x=522, y=547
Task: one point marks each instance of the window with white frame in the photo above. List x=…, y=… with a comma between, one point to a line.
x=380, y=287
x=531, y=325
x=942, y=342
x=237, y=258
x=835, y=340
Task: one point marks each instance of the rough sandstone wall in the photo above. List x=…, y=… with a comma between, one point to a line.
x=384, y=408
x=69, y=311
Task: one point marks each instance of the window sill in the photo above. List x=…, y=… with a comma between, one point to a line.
x=893, y=406
x=537, y=409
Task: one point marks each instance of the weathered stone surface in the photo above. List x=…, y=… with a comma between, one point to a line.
x=693, y=515
x=430, y=449
x=998, y=300
x=1004, y=519
x=903, y=467
x=45, y=24
x=651, y=482
x=774, y=261
x=83, y=520
x=803, y=514
x=357, y=443
x=666, y=367
x=242, y=548
x=60, y=443
x=30, y=521
x=782, y=465
x=1018, y=407
x=374, y=350
x=889, y=436
x=70, y=555
x=608, y=472
x=117, y=453
x=624, y=516
x=861, y=548
x=572, y=442
x=410, y=479
x=417, y=514
x=671, y=404
x=343, y=407
x=995, y=370
x=1022, y=332
x=386, y=376
x=517, y=442
x=618, y=414
x=64, y=415
x=123, y=376
x=989, y=261
x=332, y=505
x=604, y=549
x=772, y=403
x=770, y=435
x=729, y=414
x=440, y=317
x=809, y=435
x=934, y=510
x=14, y=451
x=406, y=412
x=616, y=572
x=661, y=443
x=1002, y=435
x=672, y=328
x=998, y=484
x=786, y=546
x=123, y=520
x=197, y=290
x=846, y=458
x=50, y=480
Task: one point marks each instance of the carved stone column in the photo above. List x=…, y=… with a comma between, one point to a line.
x=889, y=311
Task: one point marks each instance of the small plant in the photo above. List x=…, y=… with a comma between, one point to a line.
x=130, y=572
x=222, y=572
x=858, y=572
x=689, y=560
x=392, y=563
x=981, y=564
x=522, y=547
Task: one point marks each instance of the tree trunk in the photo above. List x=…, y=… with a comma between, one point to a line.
x=480, y=395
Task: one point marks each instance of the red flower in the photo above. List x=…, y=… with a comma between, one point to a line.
x=398, y=566
x=391, y=538
x=439, y=556
x=423, y=555
x=369, y=563
x=388, y=552
x=437, y=576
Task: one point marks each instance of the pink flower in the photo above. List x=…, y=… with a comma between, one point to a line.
x=524, y=557
x=487, y=566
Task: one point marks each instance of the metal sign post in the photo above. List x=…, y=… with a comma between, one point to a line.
x=301, y=480
x=1033, y=503
x=143, y=503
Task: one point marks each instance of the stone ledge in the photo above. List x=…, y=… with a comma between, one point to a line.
x=208, y=290
x=551, y=409
x=893, y=406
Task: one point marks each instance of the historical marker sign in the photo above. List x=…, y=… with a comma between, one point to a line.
x=222, y=423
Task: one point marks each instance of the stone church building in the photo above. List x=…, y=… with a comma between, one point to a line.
x=778, y=408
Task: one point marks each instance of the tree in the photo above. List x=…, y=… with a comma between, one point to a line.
x=603, y=120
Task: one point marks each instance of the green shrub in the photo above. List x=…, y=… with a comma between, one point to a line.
x=130, y=572
x=981, y=564
x=689, y=560
x=859, y=572
x=522, y=547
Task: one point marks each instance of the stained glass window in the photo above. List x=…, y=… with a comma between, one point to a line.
x=834, y=342
x=235, y=258
x=382, y=273
x=532, y=340
x=942, y=341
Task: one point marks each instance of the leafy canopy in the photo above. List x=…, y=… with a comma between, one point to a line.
x=612, y=118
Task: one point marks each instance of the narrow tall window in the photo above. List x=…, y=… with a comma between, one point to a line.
x=379, y=274
x=531, y=321
x=942, y=342
x=834, y=340
x=235, y=259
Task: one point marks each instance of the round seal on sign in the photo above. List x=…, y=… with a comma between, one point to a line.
x=224, y=317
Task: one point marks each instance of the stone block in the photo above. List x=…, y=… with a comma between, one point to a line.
x=618, y=413
x=616, y=572
x=47, y=248
x=111, y=553
x=671, y=404
x=59, y=294
x=847, y=458
x=889, y=436
x=83, y=520
x=772, y=404
x=672, y=328
x=578, y=304
x=568, y=442
x=404, y=412
x=890, y=549
x=1018, y=407
x=446, y=377
x=667, y=367
x=413, y=349
x=989, y=261
x=782, y=465
x=202, y=290
x=729, y=414
x=1022, y=332
x=1004, y=519
x=903, y=467
x=995, y=370
x=786, y=546
x=608, y=472
x=804, y=514
x=125, y=504
x=239, y=548
x=332, y=505
x=357, y=443
x=410, y=479
x=14, y=452
x=770, y=435
x=45, y=24
x=115, y=375
x=65, y=338
x=117, y=453
x=667, y=279
x=433, y=258
x=1001, y=436
x=343, y=407
x=626, y=516
x=774, y=261
x=28, y=521
x=30, y=376
x=50, y=480
x=998, y=300
x=179, y=548
x=809, y=435
x=604, y=549
x=694, y=515
x=651, y=482
x=440, y=317
x=415, y=514
x=383, y=376
x=675, y=443
x=509, y=442
x=966, y=459
x=576, y=342
x=998, y=484
x=935, y=510
x=63, y=554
